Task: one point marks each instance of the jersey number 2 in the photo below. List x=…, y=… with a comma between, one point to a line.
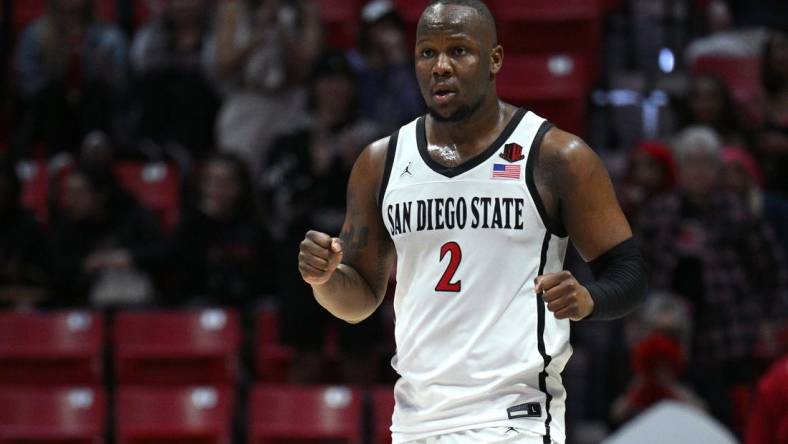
x=445, y=284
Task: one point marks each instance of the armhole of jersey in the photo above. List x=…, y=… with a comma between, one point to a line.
x=553, y=227
x=390, y=151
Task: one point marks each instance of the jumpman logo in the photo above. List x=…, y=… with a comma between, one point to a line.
x=407, y=170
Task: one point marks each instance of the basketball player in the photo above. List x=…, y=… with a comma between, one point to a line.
x=477, y=201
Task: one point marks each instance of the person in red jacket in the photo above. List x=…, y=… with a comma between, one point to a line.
x=769, y=418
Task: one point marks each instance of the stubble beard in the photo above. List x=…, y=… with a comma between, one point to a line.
x=461, y=114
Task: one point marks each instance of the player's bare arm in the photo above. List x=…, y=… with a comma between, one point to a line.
x=349, y=274
x=577, y=192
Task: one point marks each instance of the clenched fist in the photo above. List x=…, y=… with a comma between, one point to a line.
x=319, y=256
x=564, y=295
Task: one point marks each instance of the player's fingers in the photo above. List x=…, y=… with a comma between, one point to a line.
x=337, y=246
x=559, y=303
x=309, y=246
x=569, y=312
x=319, y=238
x=336, y=257
x=315, y=261
x=550, y=280
x=566, y=289
x=310, y=273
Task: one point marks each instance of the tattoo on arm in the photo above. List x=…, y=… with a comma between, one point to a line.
x=354, y=241
x=354, y=238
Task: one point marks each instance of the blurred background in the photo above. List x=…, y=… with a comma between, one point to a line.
x=160, y=161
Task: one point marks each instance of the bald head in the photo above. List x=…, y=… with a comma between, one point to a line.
x=469, y=16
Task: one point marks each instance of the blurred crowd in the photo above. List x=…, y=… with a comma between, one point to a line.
x=263, y=121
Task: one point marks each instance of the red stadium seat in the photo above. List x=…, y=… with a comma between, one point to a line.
x=554, y=87
x=382, y=409
x=24, y=12
x=340, y=22
x=544, y=10
x=57, y=348
x=182, y=415
x=272, y=358
x=281, y=413
x=34, y=178
x=194, y=347
x=156, y=186
x=66, y=415
x=743, y=78
x=410, y=10
x=550, y=26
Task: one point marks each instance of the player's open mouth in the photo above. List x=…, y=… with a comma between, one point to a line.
x=443, y=96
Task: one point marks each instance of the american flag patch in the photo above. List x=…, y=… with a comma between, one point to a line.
x=502, y=171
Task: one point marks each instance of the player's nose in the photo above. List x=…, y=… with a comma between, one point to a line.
x=442, y=67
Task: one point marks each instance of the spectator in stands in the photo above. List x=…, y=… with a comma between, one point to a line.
x=651, y=172
x=306, y=178
x=24, y=272
x=769, y=416
x=222, y=254
x=71, y=72
x=704, y=245
x=262, y=54
x=723, y=40
x=388, y=92
x=105, y=247
x=663, y=313
x=772, y=139
x=658, y=361
x=709, y=103
x=174, y=102
x=742, y=176
x=308, y=168
x=658, y=336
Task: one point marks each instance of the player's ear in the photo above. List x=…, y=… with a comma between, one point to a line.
x=496, y=59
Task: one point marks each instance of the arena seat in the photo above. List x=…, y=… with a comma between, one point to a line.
x=34, y=178
x=529, y=27
x=24, y=12
x=553, y=86
x=53, y=348
x=156, y=185
x=289, y=413
x=162, y=415
x=382, y=409
x=340, y=22
x=65, y=415
x=410, y=10
x=188, y=347
x=272, y=358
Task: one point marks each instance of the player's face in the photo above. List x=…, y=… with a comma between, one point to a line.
x=453, y=62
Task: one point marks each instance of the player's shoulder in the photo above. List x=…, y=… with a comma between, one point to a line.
x=564, y=153
x=373, y=156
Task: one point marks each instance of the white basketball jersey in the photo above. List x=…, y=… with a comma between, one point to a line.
x=475, y=346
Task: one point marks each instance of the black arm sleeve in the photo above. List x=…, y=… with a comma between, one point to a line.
x=621, y=281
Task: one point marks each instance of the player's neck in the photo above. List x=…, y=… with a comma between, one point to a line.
x=485, y=124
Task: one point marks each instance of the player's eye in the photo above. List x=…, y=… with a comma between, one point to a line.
x=460, y=51
x=427, y=53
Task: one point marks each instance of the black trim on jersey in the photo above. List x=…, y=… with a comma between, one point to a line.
x=540, y=324
x=554, y=227
x=384, y=182
x=421, y=140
